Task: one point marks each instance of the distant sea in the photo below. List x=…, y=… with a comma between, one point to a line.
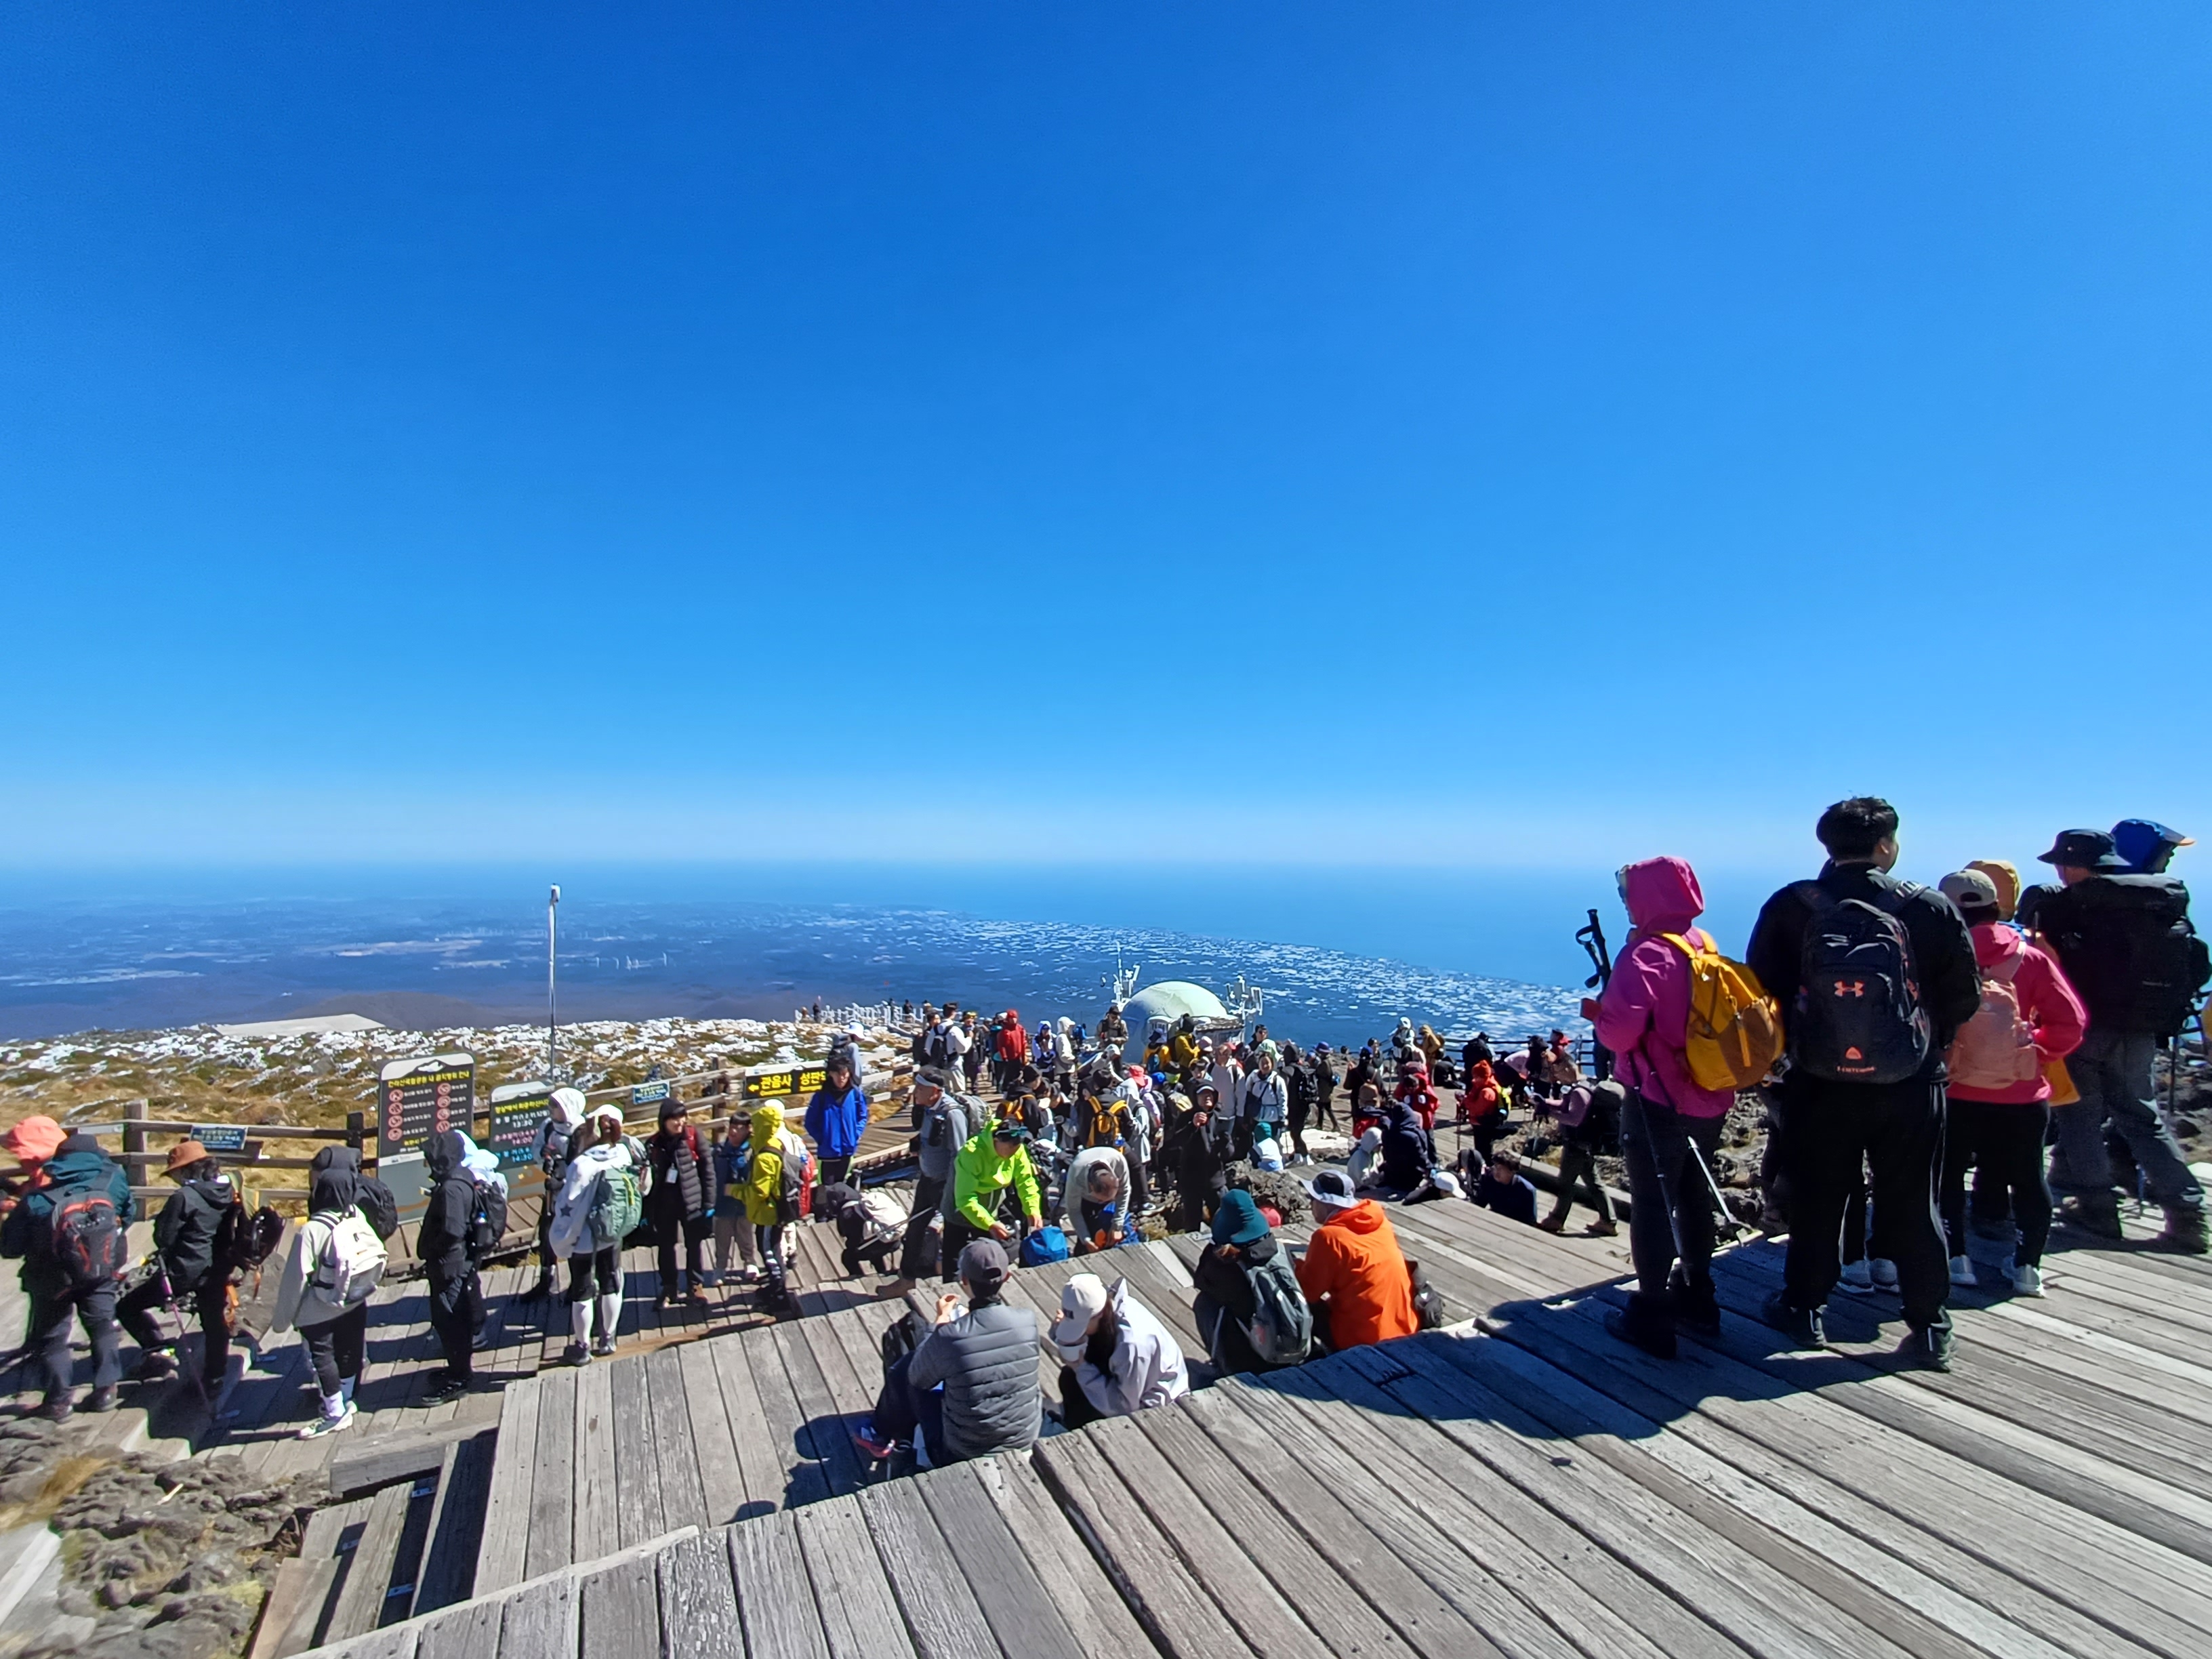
x=1340, y=955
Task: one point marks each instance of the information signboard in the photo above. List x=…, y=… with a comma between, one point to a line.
x=415, y=1098
x=648, y=1094
x=220, y=1137
x=518, y=1110
x=781, y=1082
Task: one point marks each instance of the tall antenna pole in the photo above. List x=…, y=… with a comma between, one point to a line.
x=552, y=1029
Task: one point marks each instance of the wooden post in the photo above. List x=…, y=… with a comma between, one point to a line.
x=134, y=1140
x=356, y=1133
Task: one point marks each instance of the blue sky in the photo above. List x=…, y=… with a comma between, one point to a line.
x=1482, y=435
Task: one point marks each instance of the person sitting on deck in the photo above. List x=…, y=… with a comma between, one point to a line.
x=1353, y=1273
x=1118, y=1359
x=1506, y=1190
x=969, y=1385
x=1247, y=1295
x=995, y=1159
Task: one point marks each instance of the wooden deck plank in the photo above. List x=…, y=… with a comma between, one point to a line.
x=721, y=1481
x=683, y=1491
x=782, y=1421
x=619, y=1613
x=776, y=1598
x=457, y=1523
x=358, y=1606
x=553, y=1487
x=859, y=1615
x=637, y=1470
x=506, y=1509
x=595, y=1528
x=540, y=1622
x=469, y=1631
x=941, y=1612
x=822, y=1421
x=1104, y=1626
x=699, y=1599
x=764, y=1473
x=1015, y=1604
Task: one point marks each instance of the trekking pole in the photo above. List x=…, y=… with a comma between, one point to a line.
x=1731, y=1229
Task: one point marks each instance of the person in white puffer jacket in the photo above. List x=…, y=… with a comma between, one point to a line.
x=594, y=1263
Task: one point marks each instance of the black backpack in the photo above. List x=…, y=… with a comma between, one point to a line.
x=2126, y=944
x=85, y=1233
x=487, y=1223
x=1859, y=1017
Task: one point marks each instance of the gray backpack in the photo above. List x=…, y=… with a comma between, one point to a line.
x=1281, y=1331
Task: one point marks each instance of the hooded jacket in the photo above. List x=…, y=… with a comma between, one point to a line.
x=942, y=1130
x=981, y=1175
x=333, y=1192
x=987, y=1358
x=764, y=1183
x=1644, y=1017
x=442, y=1240
x=834, y=1120
x=1354, y=1261
x=1146, y=1368
x=572, y=1211
x=563, y=1119
x=77, y=1164
x=185, y=1231
x=2047, y=1003
x=1408, y=1154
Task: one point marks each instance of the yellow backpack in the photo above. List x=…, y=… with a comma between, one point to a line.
x=1735, y=1033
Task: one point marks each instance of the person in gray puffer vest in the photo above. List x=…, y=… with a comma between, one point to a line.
x=942, y=1125
x=986, y=1360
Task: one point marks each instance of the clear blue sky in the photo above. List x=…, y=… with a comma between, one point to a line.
x=1526, y=434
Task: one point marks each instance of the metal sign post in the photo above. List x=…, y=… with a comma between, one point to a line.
x=552, y=1025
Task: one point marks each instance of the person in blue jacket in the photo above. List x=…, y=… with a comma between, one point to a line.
x=835, y=1117
x=61, y=1174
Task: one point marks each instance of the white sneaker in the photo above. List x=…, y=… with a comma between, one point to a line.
x=1962, y=1271
x=1857, y=1278
x=1884, y=1270
x=322, y=1425
x=2027, y=1280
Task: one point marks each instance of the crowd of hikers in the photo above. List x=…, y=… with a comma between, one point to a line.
x=1929, y=1060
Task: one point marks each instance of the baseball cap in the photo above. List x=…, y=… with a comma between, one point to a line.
x=983, y=1267
x=2083, y=849
x=1082, y=1299
x=1970, y=889
x=1333, y=1189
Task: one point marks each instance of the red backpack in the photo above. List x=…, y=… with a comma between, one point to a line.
x=87, y=1236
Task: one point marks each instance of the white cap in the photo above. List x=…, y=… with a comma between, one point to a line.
x=1082, y=1299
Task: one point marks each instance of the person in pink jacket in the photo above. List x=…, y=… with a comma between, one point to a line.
x=2000, y=1092
x=1666, y=1119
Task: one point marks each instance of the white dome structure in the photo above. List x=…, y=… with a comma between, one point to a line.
x=1169, y=1001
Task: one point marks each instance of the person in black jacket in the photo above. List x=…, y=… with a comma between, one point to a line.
x=443, y=1241
x=2129, y=949
x=1198, y=1167
x=679, y=1205
x=1830, y=1125
x=184, y=1237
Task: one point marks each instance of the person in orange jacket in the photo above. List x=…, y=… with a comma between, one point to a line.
x=1353, y=1272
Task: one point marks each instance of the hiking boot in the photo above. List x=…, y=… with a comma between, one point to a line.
x=58, y=1409
x=452, y=1389
x=1601, y=1229
x=1883, y=1271
x=2186, y=1233
x=541, y=1290
x=154, y=1366
x=2098, y=1216
x=576, y=1353
x=1553, y=1224
x=1696, y=1310
x=2027, y=1279
x=1962, y=1272
x=1928, y=1350
x=104, y=1398
x=1646, y=1324
x=695, y=1298
x=663, y=1301
x=1806, y=1328
x=1856, y=1278
x=603, y=1346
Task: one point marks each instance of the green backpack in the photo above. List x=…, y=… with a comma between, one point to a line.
x=616, y=1206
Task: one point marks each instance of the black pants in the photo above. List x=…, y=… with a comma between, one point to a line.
x=51, y=1316
x=1671, y=1214
x=1578, y=1164
x=1325, y=1111
x=877, y=1254
x=335, y=1347
x=602, y=1270
x=959, y=1235
x=1075, y=1407
x=928, y=1195
x=2003, y=1147
x=1298, y=1130
x=454, y=1307
x=547, y=1263
x=136, y=1314
x=828, y=1172
x=1896, y=1128
x=901, y=1411
x=691, y=1232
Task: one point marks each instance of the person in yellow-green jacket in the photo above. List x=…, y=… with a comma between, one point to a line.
x=771, y=1201
x=993, y=1160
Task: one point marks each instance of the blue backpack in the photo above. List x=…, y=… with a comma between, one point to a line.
x=1044, y=1246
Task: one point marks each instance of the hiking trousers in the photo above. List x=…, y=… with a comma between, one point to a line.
x=335, y=1349
x=1579, y=1166
x=929, y=1199
x=2113, y=1070
x=51, y=1313
x=1671, y=1214
x=136, y=1314
x=2002, y=1145
x=454, y=1314
x=1896, y=1128
x=690, y=1232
